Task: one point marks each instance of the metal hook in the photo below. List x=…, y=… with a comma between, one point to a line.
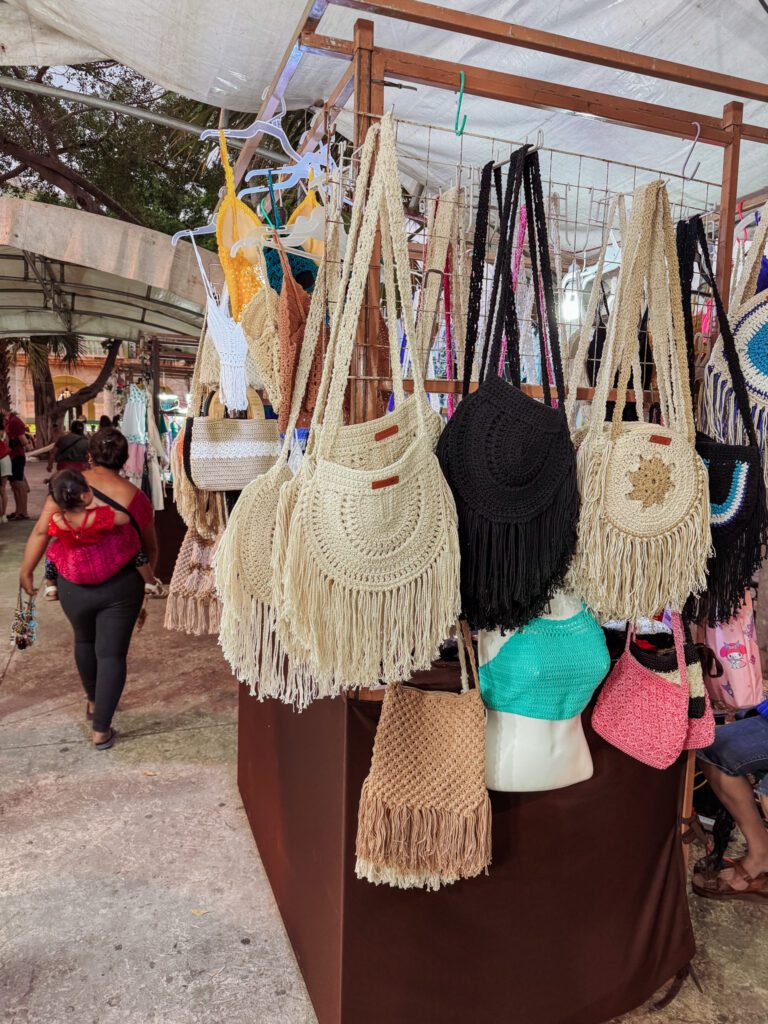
x=456, y=129
x=697, y=126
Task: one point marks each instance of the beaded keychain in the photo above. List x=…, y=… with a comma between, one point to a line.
x=24, y=624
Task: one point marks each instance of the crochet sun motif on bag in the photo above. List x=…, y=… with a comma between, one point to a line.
x=644, y=528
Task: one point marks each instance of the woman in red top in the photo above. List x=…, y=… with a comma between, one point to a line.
x=100, y=589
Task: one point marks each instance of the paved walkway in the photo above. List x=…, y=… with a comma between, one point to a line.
x=131, y=891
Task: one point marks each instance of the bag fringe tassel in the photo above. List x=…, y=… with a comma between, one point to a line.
x=420, y=847
x=192, y=615
x=629, y=577
x=510, y=571
x=374, y=635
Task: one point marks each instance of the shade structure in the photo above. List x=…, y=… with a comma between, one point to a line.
x=226, y=55
x=66, y=271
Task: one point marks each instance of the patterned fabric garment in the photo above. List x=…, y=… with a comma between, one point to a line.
x=548, y=669
x=96, y=563
x=134, y=422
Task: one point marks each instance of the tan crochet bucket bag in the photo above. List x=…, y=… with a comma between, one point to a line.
x=644, y=534
x=424, y=818
x=371, y=571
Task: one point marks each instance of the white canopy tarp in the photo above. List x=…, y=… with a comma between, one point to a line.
x=227, y=53
x=64, y=270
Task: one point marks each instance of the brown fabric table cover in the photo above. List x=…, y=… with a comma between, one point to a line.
x=582, y=917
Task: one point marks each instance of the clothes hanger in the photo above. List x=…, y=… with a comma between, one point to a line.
x=689, y=154
x=320, y=164
x=272, y=128
x=204, y=229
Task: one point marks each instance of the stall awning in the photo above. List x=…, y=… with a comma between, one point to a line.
x=226, y=54
x=66, y=271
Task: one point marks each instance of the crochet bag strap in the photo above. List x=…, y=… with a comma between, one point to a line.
x=729, y=345
x=466, y=651
x=747, y=283
x=679, y=638
x=585, y=335
x=477, y=274
x=502, y=315
x=541, y=270
x=384, y=205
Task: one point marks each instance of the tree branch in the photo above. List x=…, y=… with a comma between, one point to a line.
x=7, y=175
x=70, y=181
x=85, y=394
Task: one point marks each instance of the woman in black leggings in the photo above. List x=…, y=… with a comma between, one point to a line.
x=100, y=589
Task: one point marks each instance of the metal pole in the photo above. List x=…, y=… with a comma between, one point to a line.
x=41, y=89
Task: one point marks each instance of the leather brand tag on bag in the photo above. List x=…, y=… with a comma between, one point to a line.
x=388, y=482
x=659, y=439
x=380, y=435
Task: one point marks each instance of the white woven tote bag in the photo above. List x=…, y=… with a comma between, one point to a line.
x=371, y=567
x=644, y=533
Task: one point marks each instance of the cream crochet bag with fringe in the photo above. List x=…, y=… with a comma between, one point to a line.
x=644, y=535
x=243, y=564
x=371, y=568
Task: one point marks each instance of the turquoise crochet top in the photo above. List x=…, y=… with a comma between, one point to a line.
x=548, y=669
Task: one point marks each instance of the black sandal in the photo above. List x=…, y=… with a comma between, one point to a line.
x=108, y=742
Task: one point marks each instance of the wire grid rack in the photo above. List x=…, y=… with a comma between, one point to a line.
x=578, y=190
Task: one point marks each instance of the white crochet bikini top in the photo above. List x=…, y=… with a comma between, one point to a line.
x=229, y=341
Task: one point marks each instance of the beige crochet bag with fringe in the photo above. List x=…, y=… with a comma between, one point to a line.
x=371, y=571
x=424, y=818
x=243, y=563
x=644, y=533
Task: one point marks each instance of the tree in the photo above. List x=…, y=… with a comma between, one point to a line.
x=49, y=411
x=58, y=151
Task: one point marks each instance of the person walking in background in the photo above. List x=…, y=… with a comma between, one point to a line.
x=70, y=450
x=16, y=430
x=100, y=589
x=5, y=470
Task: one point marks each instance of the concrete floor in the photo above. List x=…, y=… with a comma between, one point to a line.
x=130, y=886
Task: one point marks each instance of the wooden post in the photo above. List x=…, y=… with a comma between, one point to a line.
x=154, y=364
x=369, y=105
x=733, y=115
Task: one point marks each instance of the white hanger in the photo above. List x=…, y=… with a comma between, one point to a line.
x=257, y=128
x=319, y=164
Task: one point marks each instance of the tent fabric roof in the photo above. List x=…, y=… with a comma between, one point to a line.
x=226, y=54
x=64, y=270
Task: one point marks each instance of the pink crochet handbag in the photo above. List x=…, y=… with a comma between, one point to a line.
x=641, y=712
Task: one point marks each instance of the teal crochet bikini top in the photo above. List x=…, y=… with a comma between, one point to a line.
x=548, y=669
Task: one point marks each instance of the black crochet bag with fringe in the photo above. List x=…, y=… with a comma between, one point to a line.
x=508, y=458
x=738, y=514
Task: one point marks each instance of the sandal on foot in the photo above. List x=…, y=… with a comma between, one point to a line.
x=719, y=888
x=108, y=742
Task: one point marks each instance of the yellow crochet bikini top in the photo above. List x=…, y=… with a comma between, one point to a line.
x=314, y=246
x=235, y=220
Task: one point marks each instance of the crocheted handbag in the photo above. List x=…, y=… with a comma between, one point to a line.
x=508, y=458
x=739, y=516
x=643, y=536
x=193, y=606
x=643, y=712
x=226, y=454
x=24, y=623
x=720, y=412
x=292, y=312
x=371, y=572
x=424, y=818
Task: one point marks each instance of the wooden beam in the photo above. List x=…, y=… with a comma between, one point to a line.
x=469, y=24
x=309, y=20
x=337, y=99
x=729, y=190
x=532, y=92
